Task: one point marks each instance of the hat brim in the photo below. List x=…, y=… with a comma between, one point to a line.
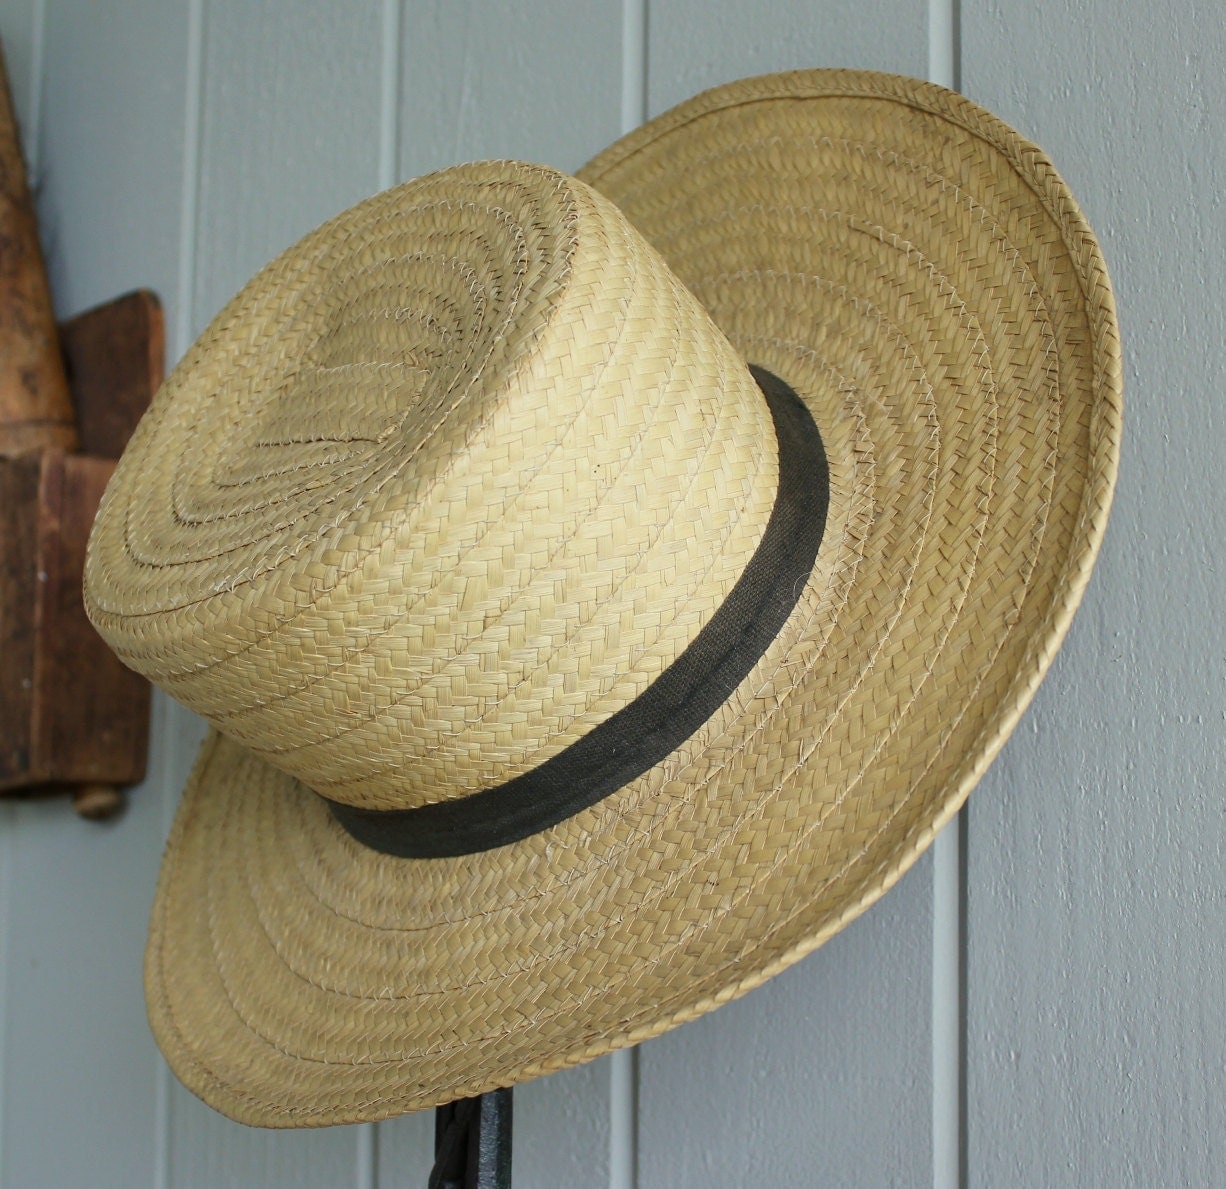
x=922, y=278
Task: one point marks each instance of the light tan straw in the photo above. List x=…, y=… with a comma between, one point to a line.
x=458, y=477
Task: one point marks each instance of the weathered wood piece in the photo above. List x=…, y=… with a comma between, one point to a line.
x=35, y=407
x=113, y=356
x=70, y=713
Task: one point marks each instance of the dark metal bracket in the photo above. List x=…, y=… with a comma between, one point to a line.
x=472, y=1143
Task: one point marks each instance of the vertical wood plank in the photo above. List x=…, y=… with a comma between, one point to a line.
x=562, y=1128
x=289, y=136
x=80, y=1073
x=692, y=45
x=208, y=1151
x=406, y=1149
x=81, y=1070
x=822, y=1076
x=290, y=131
x=8, y=854
x=21, y=38
x=20, y=31
x=1096, y=955
x=538, y=80
x=110, y=151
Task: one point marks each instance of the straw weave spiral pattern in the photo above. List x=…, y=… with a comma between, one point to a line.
x=454, y=511
x=449, y=484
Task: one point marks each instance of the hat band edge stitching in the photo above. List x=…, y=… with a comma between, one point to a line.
x=671, y=709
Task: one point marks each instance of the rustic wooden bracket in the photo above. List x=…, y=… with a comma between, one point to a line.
x=72, y=718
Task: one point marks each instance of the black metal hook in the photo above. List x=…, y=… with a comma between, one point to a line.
x=472, y=1143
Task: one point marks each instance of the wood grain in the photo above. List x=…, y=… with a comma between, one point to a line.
x=35, y=408
x=114, y=357
x=72, y=713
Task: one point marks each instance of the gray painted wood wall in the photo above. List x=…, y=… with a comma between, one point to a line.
x=1038, y=1003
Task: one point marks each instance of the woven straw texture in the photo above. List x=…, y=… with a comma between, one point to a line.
x=453, y=479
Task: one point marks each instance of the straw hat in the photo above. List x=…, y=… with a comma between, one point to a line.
x=569, y=676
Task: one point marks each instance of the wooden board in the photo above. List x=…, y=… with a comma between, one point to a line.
x=19, y=479
x=72, y=714
x=35, y=409
x=1096, y=957
x=114, y=356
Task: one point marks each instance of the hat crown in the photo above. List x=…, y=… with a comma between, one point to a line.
x=447, y=484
